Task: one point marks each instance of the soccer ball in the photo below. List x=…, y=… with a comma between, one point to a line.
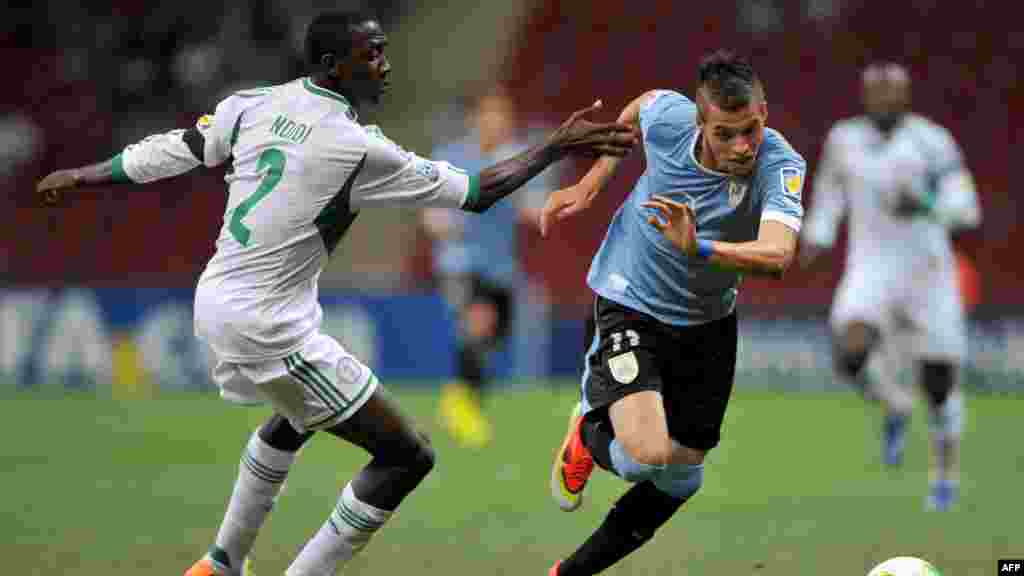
x=904, y=566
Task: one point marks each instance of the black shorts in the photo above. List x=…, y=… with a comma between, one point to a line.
x=692, y=367
x=462, y=290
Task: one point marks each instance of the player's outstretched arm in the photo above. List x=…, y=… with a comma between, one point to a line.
x=769, y=255
x=52, y=187
x=576, y=136
x=568, y=201
x=154, y=158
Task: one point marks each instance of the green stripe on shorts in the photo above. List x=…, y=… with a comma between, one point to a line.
x=300, y=374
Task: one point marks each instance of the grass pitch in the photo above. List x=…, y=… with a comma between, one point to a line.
x=93, y=487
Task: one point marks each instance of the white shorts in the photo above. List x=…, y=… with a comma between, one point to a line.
x=926, y=309
x=316, y=387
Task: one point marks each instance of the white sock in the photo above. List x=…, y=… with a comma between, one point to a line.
x=261, y=476
x=347, y=530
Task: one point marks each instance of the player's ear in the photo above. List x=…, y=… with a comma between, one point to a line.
x=330, y=63
x=764, y=111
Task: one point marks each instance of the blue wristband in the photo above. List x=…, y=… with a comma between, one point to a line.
x=704, y=249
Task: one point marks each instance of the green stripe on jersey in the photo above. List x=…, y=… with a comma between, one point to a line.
x=308, y=85
x=337, y=216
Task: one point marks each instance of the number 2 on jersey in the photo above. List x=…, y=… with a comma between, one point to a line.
x=273, y=160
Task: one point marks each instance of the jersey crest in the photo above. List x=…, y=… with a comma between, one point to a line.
x=792, y=181
x=737, y=191
x=624, y=367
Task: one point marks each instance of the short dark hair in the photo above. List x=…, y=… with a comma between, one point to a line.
x=728, y=80
x=331, y=33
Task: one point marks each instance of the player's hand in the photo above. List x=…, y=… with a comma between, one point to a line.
x=907, y=202
x=675, y=221
x=52, y=187
x=561, y=204
x=907, y=206
x=581, y=137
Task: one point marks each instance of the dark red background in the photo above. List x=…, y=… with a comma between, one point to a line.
x=964, y=62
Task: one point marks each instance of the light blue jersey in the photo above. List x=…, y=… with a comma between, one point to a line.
x=487, y=243
x=639, y=268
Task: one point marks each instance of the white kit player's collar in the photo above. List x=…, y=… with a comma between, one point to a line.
x=320, y=91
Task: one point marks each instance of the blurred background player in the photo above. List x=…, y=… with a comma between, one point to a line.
x=476, y=262
x=302, y=168
x=903, y=183
x=720, y=197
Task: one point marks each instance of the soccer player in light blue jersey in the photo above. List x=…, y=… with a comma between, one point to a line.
x=477, y=265
x=720, y=198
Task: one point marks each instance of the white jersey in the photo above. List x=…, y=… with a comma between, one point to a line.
x=861, y=171
x=301, y=169
x=900, y=272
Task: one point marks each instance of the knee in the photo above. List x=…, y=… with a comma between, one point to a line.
x=278, y=433
x=852, y=348
x=945, y=404
x=637, y=462
x=938, y=379
x=657, y=454
x=680, y=480
x=662, y=454
x=423, y=458
x=481, y=321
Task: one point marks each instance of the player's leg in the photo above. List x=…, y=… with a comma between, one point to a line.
x=485, y=326
x=897, y=402
x=264, y=466
x=479, y=321
x=945, y=412
x=664, y=478
x=401, y=458
x=624, y=429
x=937, y=316
x=618, y=365
x=857, y=324
x=852, y=345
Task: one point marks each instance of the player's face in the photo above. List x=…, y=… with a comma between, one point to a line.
x=733, y=138
x=886, y=102
x=495, y=120
x=369, y=66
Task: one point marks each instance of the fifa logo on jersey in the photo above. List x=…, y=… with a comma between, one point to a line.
x=737, y=191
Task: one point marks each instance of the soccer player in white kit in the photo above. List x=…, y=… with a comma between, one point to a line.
x=301, y=168
x=901, y=180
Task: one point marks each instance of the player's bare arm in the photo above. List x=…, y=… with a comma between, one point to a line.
x=578, y=197
x=576, y=136
x=156, y=157
x=54, y=184
x=769, y=255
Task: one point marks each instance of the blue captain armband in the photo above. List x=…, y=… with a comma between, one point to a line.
x=705, y=249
